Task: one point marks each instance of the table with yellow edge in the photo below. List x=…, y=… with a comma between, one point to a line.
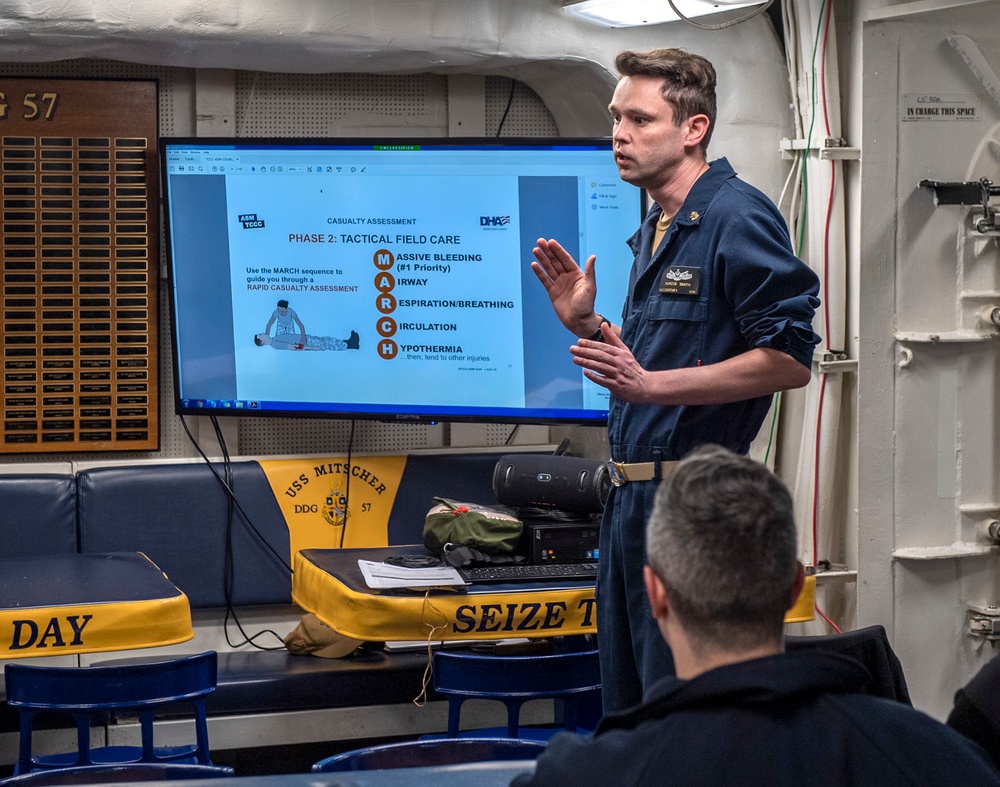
x=329, y=583
x=55, y=605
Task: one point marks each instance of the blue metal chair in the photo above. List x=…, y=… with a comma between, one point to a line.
x=573, y=678
x=425, y=753
x=86, y=693
x=116, y=774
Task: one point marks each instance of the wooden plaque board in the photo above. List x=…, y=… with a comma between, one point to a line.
x=79, y=251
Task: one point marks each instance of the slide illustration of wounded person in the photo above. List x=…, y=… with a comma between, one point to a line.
x=287, y=339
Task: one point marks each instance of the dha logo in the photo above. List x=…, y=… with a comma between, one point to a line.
x=493, y=221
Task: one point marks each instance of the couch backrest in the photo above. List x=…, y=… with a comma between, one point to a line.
x=37, y=514
x=177, y=515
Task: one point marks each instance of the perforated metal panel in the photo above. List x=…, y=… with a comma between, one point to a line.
x=519, y=108
x=340, y=105
x=306, y=105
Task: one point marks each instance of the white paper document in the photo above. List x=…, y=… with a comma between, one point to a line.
x=381, y=576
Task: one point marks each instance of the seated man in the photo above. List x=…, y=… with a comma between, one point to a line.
x=721, y=572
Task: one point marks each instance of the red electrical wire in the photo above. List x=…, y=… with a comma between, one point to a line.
x=826, y=303
x=833, y=625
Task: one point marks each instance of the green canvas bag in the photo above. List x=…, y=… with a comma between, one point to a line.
x=465, y=532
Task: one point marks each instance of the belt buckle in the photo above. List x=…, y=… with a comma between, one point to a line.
x=617, y=472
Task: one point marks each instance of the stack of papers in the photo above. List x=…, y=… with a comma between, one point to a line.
x=382, y=576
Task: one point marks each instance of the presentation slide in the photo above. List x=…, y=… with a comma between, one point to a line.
x=424, y=284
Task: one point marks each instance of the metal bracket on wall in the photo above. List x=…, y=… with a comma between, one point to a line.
x=984, y=622
x=960, y=336
x=831, y=362
x=977, y=192
x=832, y=148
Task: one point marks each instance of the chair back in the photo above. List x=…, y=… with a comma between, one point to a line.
x=426, y=753
x=85, y=693
x=514, y=680
x=870, y=646
x=116, y=774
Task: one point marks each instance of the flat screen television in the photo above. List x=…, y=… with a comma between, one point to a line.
x=385, y=278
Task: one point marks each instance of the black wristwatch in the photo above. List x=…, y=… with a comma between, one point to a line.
x=598, y=335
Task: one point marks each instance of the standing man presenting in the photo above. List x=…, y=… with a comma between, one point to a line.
x=717, y=318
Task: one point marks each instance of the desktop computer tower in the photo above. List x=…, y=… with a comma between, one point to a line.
x=561, y=541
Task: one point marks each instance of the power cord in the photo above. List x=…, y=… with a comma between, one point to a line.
x=510, y=100
x=421, y=699
x=229, y=573
x=723, y=25
x=277, y=555
x=229, y=570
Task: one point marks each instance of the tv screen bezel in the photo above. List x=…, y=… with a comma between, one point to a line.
x=413, y=414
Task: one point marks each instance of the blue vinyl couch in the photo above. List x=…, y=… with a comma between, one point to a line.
x=176, y=513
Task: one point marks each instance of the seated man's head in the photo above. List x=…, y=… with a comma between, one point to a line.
x=721, y=552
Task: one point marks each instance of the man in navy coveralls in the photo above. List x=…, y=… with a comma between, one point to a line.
x=718, y=317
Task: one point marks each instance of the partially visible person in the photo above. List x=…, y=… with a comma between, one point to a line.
x=286, y=319
x=718, y=317
x=285, y=341
x=722, y=571
x=976, y=712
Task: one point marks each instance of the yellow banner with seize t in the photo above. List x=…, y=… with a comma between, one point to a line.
x=317, y=497
x=534, y=611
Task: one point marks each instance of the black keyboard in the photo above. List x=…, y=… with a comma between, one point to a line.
x=529, y=572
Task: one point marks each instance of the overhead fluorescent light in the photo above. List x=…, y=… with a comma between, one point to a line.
x=632, y=13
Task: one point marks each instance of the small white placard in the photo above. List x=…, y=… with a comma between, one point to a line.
x=382, y=576
x=940, y=106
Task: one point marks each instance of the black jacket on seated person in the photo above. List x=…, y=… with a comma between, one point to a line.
x=789, y=719
x=977, y=709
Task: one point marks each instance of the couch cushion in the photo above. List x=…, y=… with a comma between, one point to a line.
x=176, y=514
x=38, y=515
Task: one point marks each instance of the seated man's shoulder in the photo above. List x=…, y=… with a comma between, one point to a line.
x=613, y=757
x=868, y=737
x=913, y=740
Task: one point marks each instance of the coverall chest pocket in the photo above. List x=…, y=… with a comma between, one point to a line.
x=674, y=332
x=677, y=307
